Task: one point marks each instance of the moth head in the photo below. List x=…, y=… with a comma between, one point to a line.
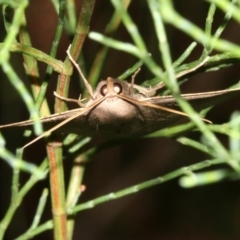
x=111, y=88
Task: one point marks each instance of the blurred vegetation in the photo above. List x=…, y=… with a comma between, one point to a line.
x=114, y=38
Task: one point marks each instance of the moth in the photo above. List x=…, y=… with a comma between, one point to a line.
x=119, y=110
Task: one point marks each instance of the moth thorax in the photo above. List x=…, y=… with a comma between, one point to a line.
x=114, y=109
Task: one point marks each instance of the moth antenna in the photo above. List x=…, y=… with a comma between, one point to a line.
x=64, y=122
x=133, y=80
x=78, y=101
x=148, y=104
x=87, y=85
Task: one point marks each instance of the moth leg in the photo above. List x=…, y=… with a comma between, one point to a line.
x=131, y=89
x=87, y=85
x=78, y=101
x=147, y=92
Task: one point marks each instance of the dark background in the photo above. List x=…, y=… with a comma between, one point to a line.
x=162, y=212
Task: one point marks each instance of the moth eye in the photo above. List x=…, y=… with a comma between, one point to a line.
x=103, y=90
x=117, y=88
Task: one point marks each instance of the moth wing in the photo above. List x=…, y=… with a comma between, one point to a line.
x=199, y=101
x=156, y=119
x=46, y=121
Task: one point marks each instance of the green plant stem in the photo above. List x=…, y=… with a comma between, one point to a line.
x=40, y=208
x=228, y=6
x=38, y=215
x=16, y=202
x=13, y=28
x=130, y=70
x=209, y=21
x=127, y=191
x=16, y=162
x=217, y=149
x=74, y=187
x=194, y=144
x=102, y=52
x=186, y=53
x=139, y=49
x=81, y=32
x=62, y=89
x=53, y=52
x=54, y=151
x=9, y=71
x=71, y=16
x=172, y=17
x=31, y=68
x=220, y=29
x=163, y=45
x=37, y=54
x=144, y=185
x=32, y=233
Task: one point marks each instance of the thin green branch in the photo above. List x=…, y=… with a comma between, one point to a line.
x=17, y=163
x=209, y=21
x=121, y=46
x=144, y=185
x=194, y=144
x=163, y=45
x=54, y=151
x=222, y=26
x=130, y=71
x=40, y=229
x=217, y=149
x=130, y=26
x=140, y=48
x=78, y=40
x=128, y=191
x=31, y=67
x=227, y=6
x=9, y=71
x=16, y=202
x=72, y=18
x=102, y=53
x=185, y=54
x=37, y=54
x=37, y=217
x=171, y=16
x=41, y=205
x=74, y=188
x=205, y=178
x=53, y=52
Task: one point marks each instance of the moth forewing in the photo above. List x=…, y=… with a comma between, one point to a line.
x=68, y=119
x=51, y=118
x=159, y=106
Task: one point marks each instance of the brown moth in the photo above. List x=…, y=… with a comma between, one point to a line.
x=118, y=110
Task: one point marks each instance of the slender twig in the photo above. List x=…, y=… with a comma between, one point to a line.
x=31, y=67
x=54, y=151
x=16, y=202
x=127, y=191
x=170, y=15
x=57, y=65
x=8, y=69
x=100, y=57
x=74, y=187
x=53, y=52
x=81, y=32
x=57, y=186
